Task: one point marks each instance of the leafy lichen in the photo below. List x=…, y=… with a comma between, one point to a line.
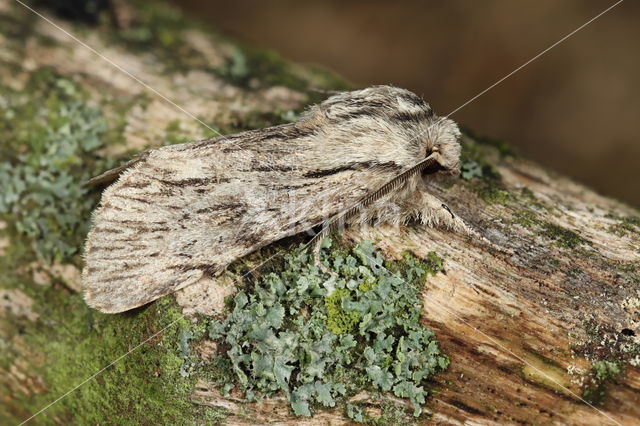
x=51, y=138
x=277, y=340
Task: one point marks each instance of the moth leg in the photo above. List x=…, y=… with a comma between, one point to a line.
x=431, y=211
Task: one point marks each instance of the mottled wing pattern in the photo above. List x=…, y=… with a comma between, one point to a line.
x=192, y=209
x=186, y=210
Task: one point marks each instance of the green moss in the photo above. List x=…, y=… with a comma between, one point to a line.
x=158, y=31
x=528, y=194
x=267, y=67
x=504, y=148
x=339, y=320
x=525, y=218
x=254, y=120
x=602, y=372
x=174, y=134
x=494, y=195
x=485, y=180
x=563, y=237
x=474, y=164
x=625, y=225
x=606, y=370
x=146, y=386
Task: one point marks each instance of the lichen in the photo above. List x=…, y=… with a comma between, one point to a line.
x=51, y=141
x=276, y=334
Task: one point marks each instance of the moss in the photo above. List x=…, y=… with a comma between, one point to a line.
x=494, y=195
x=525, y=218
x=626, y=224
x=485, y=179
x=607, y=370
x=630, y=271
x=145, y=386
x=247, y=64
x=602, y=372
x=158, y=31
x=254, y=120
x=250, y=67
x=174, y=134
x=563, y=237
x=528, y=194
x=339, y=320
x=504, y=148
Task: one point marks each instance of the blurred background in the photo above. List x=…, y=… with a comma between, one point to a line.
x=576, y=109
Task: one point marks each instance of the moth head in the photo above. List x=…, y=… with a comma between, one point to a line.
x=442, y=144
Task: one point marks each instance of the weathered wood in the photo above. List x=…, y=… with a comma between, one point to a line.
x=522, y=329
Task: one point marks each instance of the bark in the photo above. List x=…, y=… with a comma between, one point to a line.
x=543, y=327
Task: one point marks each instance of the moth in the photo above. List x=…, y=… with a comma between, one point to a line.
x=181, y=212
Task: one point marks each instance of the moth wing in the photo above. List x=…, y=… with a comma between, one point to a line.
x=187, y=210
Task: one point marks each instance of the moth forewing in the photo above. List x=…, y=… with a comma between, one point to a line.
x=184, y=211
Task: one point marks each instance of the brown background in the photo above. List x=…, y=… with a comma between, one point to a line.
x=575, y=109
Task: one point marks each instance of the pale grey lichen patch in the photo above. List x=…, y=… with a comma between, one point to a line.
x=16, y=303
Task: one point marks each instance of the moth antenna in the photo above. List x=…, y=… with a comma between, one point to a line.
x=385, y=189
x=110, y=176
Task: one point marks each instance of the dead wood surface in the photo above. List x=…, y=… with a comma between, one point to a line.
x=522, y=326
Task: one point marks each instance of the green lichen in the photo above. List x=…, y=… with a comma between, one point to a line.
x=433, y=263
x=277, y=340
x=51, y=137
x=562, y=237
